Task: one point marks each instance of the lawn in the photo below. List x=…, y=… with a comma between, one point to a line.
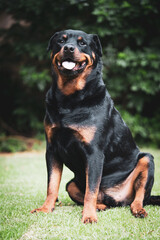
x=23, y=187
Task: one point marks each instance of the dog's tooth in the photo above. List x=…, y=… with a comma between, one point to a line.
x=59, y=64
x=68, y=65
x=77, y=66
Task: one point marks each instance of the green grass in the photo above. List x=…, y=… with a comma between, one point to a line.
x=23, y=187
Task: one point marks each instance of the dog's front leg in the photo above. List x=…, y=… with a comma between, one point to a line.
x=54, y=169
x=93, y=178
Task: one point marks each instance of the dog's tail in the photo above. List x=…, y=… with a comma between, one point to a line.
x=154, y=200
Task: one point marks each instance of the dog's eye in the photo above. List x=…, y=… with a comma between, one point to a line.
x=82, y=43
x=61, y=40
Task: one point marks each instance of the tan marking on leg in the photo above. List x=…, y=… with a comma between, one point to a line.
x=139, y=186
x=125, y=191
x=75, y=193
x=89, y=214
x=89, y=211
x=77, y=196
x=49, y=129
x=52, y=191
x=101, y=207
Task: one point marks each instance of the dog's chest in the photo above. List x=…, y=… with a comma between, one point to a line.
x=80, y=122
x=82, y=133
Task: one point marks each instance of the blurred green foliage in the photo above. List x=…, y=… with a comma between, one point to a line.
x=19, y=143
x=12, y=145
x=130, y=35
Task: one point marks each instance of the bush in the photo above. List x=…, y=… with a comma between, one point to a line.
x=12, y=145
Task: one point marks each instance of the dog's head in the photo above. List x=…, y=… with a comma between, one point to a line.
x=73, y=51
x=74, y=54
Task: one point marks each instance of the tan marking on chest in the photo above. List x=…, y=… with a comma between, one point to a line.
x=84, y=133
x=70, y=87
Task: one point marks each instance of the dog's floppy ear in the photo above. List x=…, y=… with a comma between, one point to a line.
x=50, y=44
x=96, y=44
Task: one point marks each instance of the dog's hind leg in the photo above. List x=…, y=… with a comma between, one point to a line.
x=78, y=196
x=75, y=193
x=144, y=172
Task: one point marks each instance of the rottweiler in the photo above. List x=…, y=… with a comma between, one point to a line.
x=85, y=132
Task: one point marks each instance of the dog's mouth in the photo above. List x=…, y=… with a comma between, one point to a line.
x=71, y=66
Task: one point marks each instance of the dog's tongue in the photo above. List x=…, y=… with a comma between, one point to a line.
x=68, y=65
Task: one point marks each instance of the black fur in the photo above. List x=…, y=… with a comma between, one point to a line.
x=112, y=153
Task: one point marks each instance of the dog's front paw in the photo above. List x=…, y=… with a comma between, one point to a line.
x=89, y=217
x=42, y=209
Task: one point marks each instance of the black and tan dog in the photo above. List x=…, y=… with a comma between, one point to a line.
x=85, y=132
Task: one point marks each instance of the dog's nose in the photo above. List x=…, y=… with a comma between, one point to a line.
x=69, y=48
